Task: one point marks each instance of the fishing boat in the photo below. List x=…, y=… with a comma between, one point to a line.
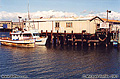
x=24, y=38
x=36, y=36
x=18, y=39
x=116, y=38
x=39, y=40
x=115, y=43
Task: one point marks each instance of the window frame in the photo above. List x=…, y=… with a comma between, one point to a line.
x=69, y=24
x=57, y=24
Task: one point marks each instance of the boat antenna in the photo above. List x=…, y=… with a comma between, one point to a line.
x=28, y=16
x=28, y=11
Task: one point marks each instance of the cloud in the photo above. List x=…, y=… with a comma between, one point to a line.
x=11, y=16
x=14, y=16
x=84, y=11
x=51, y=13
x=91, y=12
x=88, y=12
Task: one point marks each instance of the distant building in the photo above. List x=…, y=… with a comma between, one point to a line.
x=18, y=24
x=75, y=24
x=5, y=24
x=114, y=24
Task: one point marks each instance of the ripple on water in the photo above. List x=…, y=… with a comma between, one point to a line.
x=43, y=62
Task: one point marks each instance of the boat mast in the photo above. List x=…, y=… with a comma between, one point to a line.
x=28, y=11
x=28, y=16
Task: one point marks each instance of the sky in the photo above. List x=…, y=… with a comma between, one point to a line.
x=11, y=9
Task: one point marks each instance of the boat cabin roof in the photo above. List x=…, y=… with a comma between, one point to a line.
x=25, y=32
x=16, y=33
x=19, y=33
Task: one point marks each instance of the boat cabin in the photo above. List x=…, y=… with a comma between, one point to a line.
x=21, y=36
x=36, y=35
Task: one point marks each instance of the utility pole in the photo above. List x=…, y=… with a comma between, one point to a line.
x=19, y=21
x=108, y=11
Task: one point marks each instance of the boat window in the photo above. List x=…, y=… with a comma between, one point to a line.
x=26, y=35
x=36, y=34
x=20, y=35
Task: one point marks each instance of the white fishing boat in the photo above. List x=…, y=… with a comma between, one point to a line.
x=18, y=39
x=36, y=36
x=24, y=39
x=39, y=40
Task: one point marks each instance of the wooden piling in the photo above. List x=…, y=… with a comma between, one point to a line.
x=82, y=40
x=41, y=32
x=67, y=40
x=71, y=38
x=64, y=36
x=46, y=33
x=54, y=40
x=51, y=36
x=57, y=37
x=61, y=40
x=49, y=39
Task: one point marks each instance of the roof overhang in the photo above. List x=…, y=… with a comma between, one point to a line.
x=95, y=18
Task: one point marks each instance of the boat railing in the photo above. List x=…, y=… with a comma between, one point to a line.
x=4, y=38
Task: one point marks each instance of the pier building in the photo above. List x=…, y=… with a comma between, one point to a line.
x=76, y=24
x=18, y=24
x=114, y=24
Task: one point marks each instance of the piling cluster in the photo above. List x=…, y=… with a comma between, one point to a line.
x=78, y=39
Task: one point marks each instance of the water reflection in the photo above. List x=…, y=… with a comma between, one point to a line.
x=59, y=62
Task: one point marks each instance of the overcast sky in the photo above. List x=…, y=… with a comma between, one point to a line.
x=11, y=9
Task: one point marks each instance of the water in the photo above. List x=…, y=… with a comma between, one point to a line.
x=50, y=62
x=56, y=62
x=4, y=34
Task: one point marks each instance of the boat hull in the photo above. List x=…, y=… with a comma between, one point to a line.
x=30, y=43
x=115, y=43
x=41, y=41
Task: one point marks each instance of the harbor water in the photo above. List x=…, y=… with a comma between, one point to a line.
x=65, y=62
x=59, y=62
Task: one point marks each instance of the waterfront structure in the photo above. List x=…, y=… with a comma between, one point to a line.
x=18, y=24
x=75, y=24
x=114, y=24
x=9, y=25
x=5, y=24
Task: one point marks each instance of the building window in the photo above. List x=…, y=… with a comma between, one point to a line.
x=69, y=24
x=57, y=24
x=98, y=26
